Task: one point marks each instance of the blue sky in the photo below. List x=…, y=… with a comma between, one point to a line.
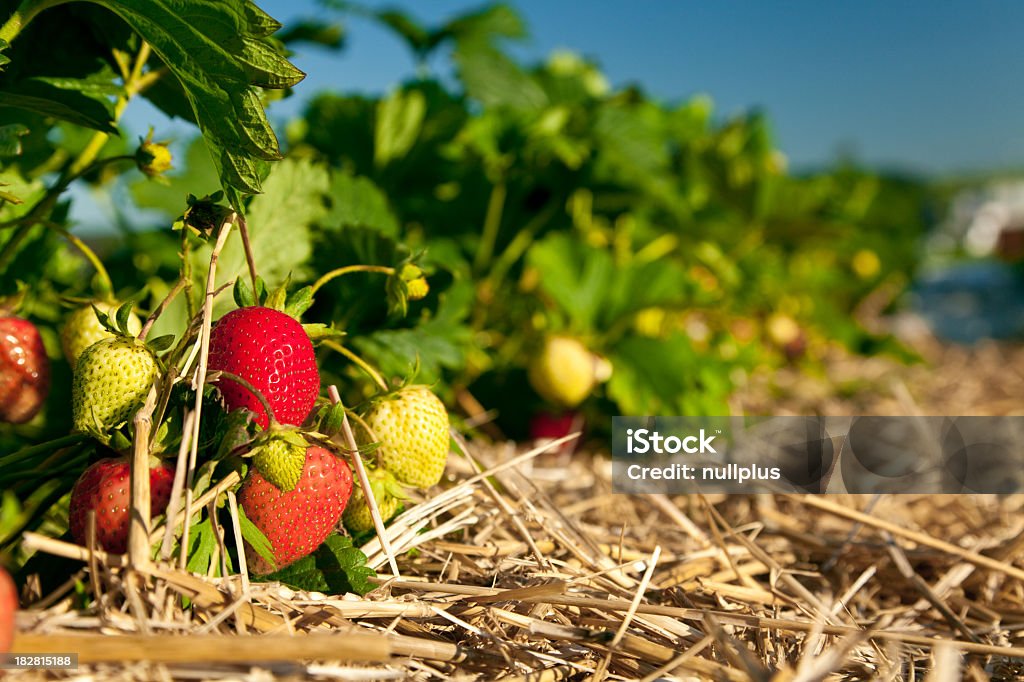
x=933, y=87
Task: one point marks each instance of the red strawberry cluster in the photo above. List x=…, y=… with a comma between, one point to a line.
x=271, y=351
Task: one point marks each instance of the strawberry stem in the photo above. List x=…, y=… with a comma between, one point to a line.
x=250, y=260
x=255, y=391
x=363, y=364
x=171, y=295
x=348, y=269
x=106, y=285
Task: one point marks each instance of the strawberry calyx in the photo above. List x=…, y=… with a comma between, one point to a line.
x=153, y=157
x=203, y=215
x=121, y=323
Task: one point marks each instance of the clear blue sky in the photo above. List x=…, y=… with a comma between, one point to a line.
x=935, y=87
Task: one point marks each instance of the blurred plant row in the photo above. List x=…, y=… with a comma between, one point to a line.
x=542, y=204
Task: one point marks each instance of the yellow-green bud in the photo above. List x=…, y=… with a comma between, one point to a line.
x=153, y=158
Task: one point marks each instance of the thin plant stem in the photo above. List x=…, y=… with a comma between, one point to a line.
x=171, y=295
x=348, y=269
x=250, y=260
x=252, y=389
x=363, y=364
x=492, y=225
x=23, y=16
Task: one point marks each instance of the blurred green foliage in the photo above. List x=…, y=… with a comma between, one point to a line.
x=537, y=198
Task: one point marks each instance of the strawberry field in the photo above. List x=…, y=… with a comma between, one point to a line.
x=332, y=399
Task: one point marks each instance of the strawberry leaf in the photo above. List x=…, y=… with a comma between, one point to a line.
x=202, y=543
x=277, y=298
x=214, y=51
x=336, y=567
x=255, y=538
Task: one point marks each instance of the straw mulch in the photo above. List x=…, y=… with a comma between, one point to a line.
x=534, y=570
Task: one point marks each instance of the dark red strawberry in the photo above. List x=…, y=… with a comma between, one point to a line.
x=272, y=352
x=298, y=521
x=105, y=488
x=24, y=370
x=8, y=606
x=555, y=425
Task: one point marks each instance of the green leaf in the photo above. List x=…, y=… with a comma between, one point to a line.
x=10, y=139
x=267, y=67
x=124, y=311
x=494, y=80
x=437, y=342
x=67, y=105
x=202, y=543
x=357, y=202
x=576, y=276
x=255, y=538
x=336, y=567
x=399, y=118
x=666, y=377
x=210, y=47
x=495, y=21
x=419, y=39
x=333, y=419
x=315, y=32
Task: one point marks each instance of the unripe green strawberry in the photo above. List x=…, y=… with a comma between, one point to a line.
x=82, y=329
x=111, y=381
x=387, y=493
x=565, y=372
x=279, y=455
x=412, y=426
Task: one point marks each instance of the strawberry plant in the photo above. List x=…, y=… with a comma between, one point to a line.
x=281, y=333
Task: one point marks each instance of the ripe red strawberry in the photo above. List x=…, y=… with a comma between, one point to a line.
x=272, y=352
x=552, y=426
x=104, y=487
x=24, y=370
x=8, y=606
x=298, y=521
